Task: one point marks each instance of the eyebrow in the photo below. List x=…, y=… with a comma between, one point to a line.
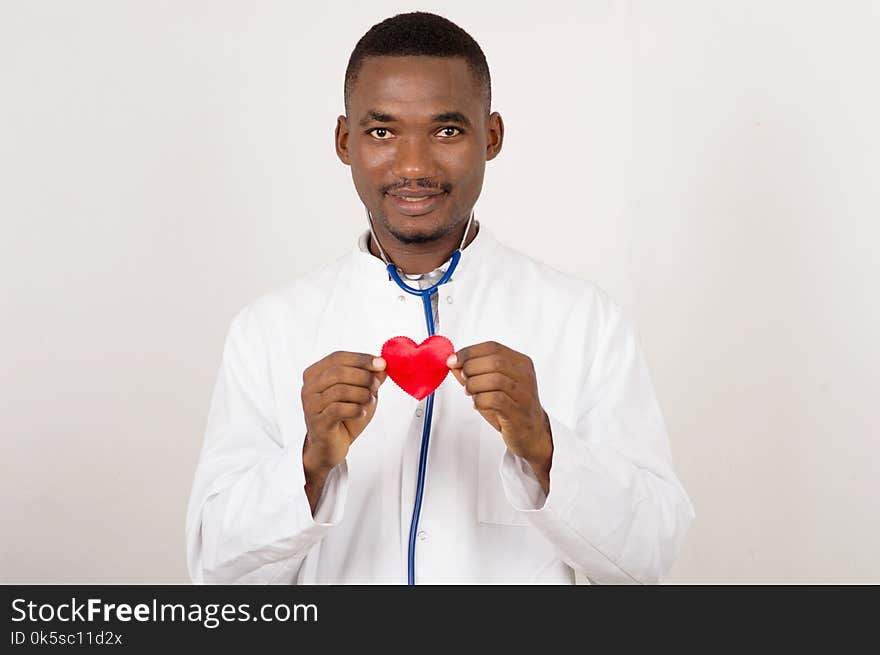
x=373, y=116
x=451, y=117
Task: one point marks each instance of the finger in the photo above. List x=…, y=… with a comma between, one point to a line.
x=358, y=360
x=491, y=382
x=342, y=375
x=342, y=411
x=377, y=381
x=459, y=375
x=494, y=363
x=455, y=366
x=494, y=400
x=346, y=393
x=457, y=359
x=480, y=350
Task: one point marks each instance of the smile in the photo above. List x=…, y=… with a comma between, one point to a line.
x=417, y=205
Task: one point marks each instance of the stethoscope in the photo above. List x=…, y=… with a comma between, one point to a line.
x=429, y=408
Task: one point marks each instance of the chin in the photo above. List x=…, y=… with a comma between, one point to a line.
x=416, y=236
x=418, y=233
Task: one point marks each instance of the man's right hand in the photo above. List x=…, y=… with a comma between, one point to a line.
x=339, y=398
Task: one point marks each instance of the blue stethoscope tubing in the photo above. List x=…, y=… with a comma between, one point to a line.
x=429, y=408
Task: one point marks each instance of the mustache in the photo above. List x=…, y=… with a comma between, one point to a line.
x=424, y=183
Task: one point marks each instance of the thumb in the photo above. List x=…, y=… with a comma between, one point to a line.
x=455, y=367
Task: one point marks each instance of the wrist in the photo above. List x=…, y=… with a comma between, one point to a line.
x=315, y=470
x=540, y=456
x=540, y=463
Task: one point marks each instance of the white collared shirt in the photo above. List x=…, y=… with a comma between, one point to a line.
x=616, y=512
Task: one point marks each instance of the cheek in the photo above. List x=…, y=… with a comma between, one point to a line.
x=466, y=160
x=371, y=160
x=369, y=170
x=466, y=170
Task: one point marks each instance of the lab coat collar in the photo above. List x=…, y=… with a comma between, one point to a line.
x=371, y=271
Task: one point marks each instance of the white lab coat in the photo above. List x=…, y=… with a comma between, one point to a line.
x=616, y=513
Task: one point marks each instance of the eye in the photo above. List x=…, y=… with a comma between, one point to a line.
x=381, y=133
x=448, y=132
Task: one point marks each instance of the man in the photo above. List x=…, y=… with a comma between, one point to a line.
x=311, y=460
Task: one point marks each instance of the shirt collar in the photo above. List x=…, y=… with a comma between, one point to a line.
x=472, y=256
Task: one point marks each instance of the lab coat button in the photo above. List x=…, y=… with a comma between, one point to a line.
x=422, y=535
x=401, y=298
x=449, y=299
x=419, y=411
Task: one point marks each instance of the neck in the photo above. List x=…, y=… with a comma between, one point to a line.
x=419, y=258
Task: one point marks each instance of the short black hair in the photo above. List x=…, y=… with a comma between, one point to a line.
x=419, y=34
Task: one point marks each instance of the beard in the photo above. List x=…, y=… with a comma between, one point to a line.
x=418, y=237
x=428, y=231
x=426, y=234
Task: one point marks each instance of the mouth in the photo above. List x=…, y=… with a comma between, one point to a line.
x=416, y=203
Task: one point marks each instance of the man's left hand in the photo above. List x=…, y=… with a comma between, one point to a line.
x=504, y=388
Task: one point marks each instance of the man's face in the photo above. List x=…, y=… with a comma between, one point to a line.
x=417, y=138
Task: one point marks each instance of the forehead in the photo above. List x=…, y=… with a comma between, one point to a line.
x=415, y=84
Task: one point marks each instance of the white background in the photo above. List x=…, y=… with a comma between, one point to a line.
x=712, y=165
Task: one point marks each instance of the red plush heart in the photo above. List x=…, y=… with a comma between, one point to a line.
x=417, y=369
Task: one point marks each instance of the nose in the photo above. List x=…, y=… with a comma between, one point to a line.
x=413, y=159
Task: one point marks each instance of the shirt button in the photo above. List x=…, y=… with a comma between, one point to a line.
x=449, y=299
x=400, y=298
x=419, y=411
x=422, y=535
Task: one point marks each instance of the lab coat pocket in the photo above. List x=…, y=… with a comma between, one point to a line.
x=492, y=503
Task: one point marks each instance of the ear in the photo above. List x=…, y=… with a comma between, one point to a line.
x=494, y=135
x=342, y=140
